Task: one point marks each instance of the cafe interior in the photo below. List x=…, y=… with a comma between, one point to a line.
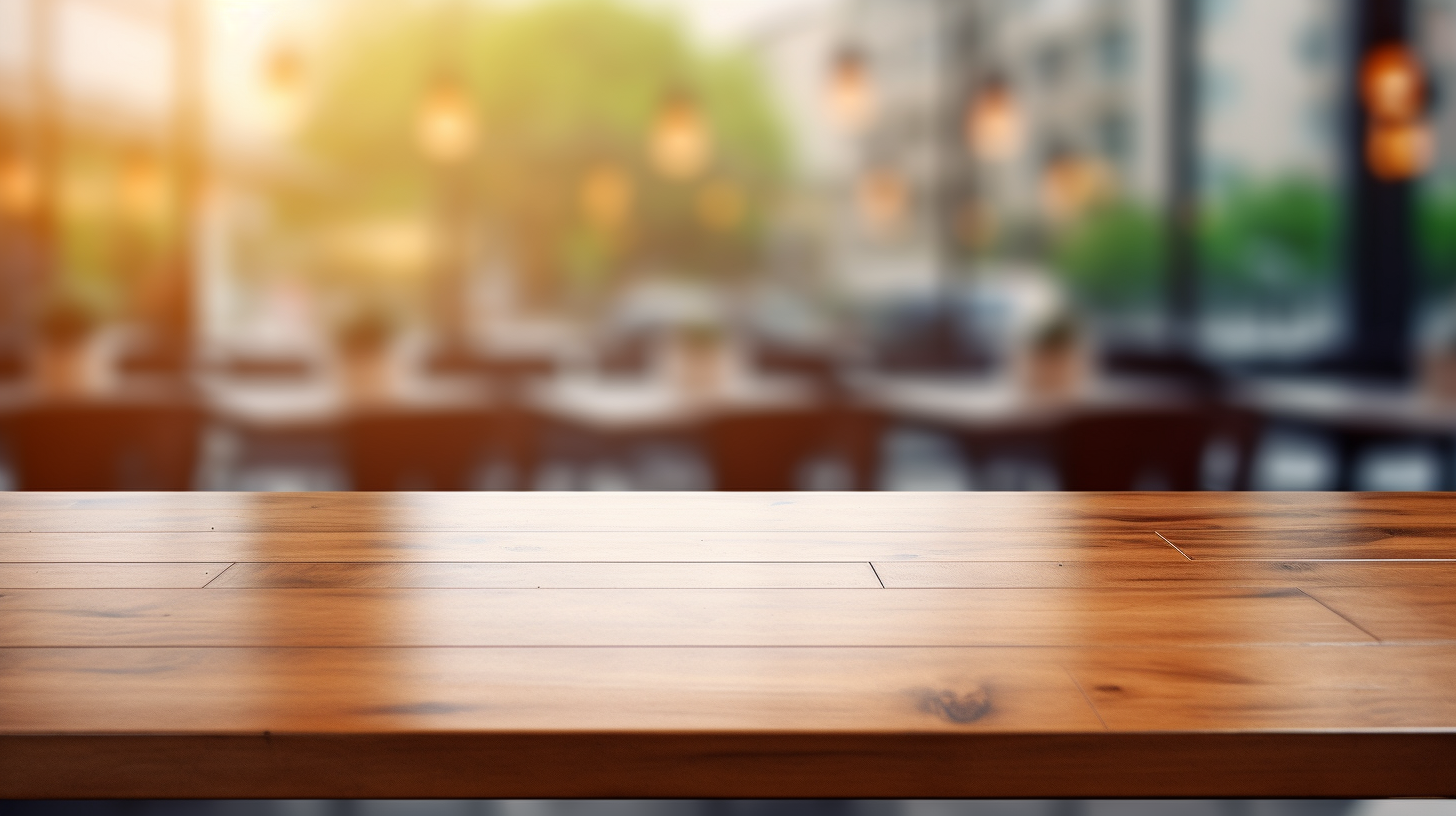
x=672, y=245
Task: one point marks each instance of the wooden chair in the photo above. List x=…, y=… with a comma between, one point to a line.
x=763, y=450
x=408, y=450
x=85, y=446
x=1117, y=450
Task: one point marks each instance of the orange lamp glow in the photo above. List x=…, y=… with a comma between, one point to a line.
x=283, y=71
x=1398, y=151
x=1070, y=184
x=883, y=199
x=849, y=94
x=993, y=123
x=1392, y=84
x=446, y=127
x=680, y=142
x=19, y=187
x=141, y=190
x=606, y=196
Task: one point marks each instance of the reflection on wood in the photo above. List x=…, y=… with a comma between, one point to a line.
x=664, y=617
x=821, y=645
x=927, y=574
x=554, y=575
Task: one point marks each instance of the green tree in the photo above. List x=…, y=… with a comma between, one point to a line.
x=1436, y=233
x=1272, y=241
x=1113, y=255
x=556, y=89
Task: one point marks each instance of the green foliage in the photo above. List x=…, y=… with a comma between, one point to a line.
x=1113, y=255
x=1436, y=233
x=556, y=88
x=1271, y=239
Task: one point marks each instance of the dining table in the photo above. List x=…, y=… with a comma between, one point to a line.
x=559, y=645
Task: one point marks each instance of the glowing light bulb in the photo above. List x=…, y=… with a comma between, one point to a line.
x=19, y=187
x=849, y=95
x=1071, y=183
x=446, y=127
x=141, y=192
x=993, y=123
x=1400, y=150
x=1392, y=83
x=883, y=199
x=681, y=145
x=606, y=196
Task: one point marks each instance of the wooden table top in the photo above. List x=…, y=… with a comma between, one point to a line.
x=221, y=645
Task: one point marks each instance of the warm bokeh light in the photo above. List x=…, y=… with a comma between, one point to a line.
x=19, y=187
x=721, y=205
x=141, y=188
x=883, y=199
x=606, y=196
x=680, y=144
x=1392, y=84
x=1399, y=151
x=849, y=92
x=993, y=123
x=446, y=128
x=1071, y=183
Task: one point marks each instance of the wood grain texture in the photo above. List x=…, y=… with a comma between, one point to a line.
x=113, y=575
x=397, y=645
x=1081, y=574
x=1252, y=688
x=555, y=575
x=665, y=617
x=509, y=546
x=1396, y=613
x=1350, y=542
x=463, y=690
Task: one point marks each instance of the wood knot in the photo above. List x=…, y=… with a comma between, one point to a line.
x=1108, y=688
x=956, y=707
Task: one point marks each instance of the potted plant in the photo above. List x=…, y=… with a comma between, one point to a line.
x=1055, y=362
x=365, y=339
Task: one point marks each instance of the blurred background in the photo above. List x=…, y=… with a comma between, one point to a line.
x=763, y=244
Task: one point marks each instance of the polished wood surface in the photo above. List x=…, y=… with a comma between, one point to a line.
x=540, y=645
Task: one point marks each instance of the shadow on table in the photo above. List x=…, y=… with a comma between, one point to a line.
x=1028, y=807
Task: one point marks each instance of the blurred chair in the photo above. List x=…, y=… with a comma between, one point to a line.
x=1126, y=450
x=763, y=450
x=415, y=450
x=627, y=354
x=101, y=446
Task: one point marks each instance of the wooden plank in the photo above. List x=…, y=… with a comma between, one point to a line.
x=1372, y=541
x=493, y=547
x=1396, y=613
x=665, y=617
x=556, y=575
x=1228, y=689
x=1078, y=574
x=735, y=512
x=708, y=722
x=119, y=576
x=534, y=689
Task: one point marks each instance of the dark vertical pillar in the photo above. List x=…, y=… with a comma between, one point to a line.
x=1182, y=179
x=1381, y=240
